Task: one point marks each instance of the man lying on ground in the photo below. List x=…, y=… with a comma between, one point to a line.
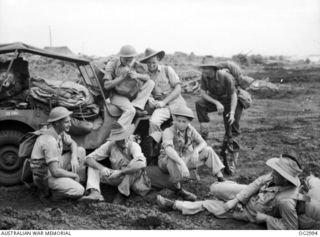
x=271, y=198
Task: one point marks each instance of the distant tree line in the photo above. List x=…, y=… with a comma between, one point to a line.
x=241, y=58
x=247, y=60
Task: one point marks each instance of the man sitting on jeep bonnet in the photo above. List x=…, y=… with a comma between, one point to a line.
x=118, y=71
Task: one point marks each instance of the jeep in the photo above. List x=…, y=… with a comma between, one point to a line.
x=20, y=113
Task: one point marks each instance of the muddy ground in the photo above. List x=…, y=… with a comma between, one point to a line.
x=283, y=121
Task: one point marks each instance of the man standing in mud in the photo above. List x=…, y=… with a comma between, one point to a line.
x=218, y=93
x=64, y=171
x=127, y=170
x=119, y=69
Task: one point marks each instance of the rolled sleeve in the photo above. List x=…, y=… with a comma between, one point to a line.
x=138, y=161
x=67, y=139
x=135, y=151
x=110, y=70
x=230, y=83
x=289, y=217
x=139, y=68
x=173, y=77
x=49, y=146
x=167, y=138
x=204, y=83
x=244, y=195
x=101, y=153
x=195, y=136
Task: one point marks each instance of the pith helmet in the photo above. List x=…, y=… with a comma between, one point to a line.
x=127, y=51
x=183, y=111
x=58, y=113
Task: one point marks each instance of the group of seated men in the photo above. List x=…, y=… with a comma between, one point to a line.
x=271, y=198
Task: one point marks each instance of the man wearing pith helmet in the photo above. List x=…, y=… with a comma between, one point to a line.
x=166, y=93
x=116, y=71
x=127, y=171
x=270, y=199
x=184, y=150
x=64, y=170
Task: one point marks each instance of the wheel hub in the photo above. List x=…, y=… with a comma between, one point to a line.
x=9, y=159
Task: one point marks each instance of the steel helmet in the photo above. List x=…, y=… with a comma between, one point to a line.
x=58, y=113
x=183, y=111
x=127, y=51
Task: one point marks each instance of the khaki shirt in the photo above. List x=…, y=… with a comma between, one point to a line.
x=182, y=143
x=50, y=146
x=118, y=157
x=279, y=203
x=114, y=69
x=165, y=84
x=221, y=87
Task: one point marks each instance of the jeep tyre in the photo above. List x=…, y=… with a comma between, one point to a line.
x=10, y=164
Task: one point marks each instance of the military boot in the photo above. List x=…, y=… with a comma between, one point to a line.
x=204, y=130
x=164, y=202
x=194, y=174
x=185, y=195
x=94, y=196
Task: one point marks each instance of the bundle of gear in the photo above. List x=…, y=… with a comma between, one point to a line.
x=64, y=93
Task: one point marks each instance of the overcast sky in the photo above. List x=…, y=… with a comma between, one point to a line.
x=216, y=27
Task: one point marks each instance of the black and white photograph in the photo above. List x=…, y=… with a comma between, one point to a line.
x=159, y=115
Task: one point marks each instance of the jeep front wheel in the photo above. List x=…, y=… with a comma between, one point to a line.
x=10, y=163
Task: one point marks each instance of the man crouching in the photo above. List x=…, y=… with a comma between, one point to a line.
x=60, y=172
x=127, y=165
x=185, y=149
